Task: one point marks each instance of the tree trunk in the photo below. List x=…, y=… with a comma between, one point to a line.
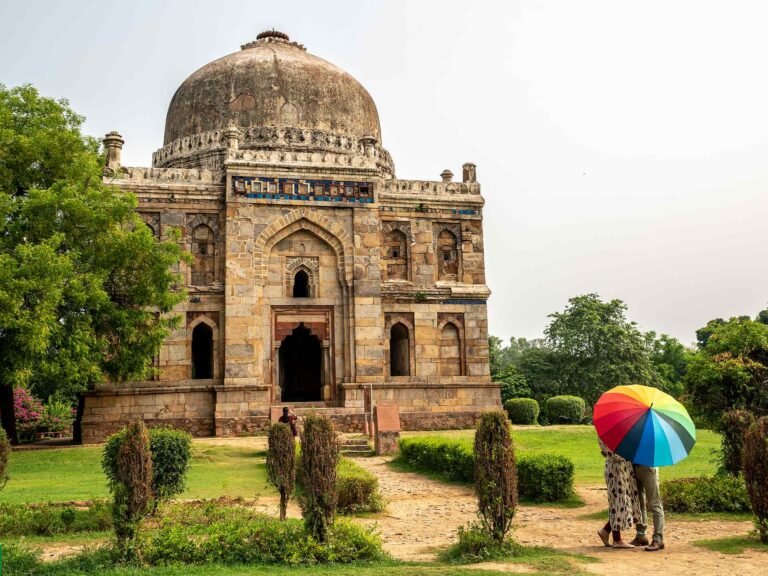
x=283, y=503
x=77, y=425
x=8, y=413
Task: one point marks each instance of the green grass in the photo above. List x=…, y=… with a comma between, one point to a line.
x=579, y=443
x=64, y=474
x=733, y=544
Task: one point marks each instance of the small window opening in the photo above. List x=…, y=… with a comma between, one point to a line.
x=301, y=285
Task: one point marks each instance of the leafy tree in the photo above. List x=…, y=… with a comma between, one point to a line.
x=87, y=289
x=670, y=359
x=319, y=459
x=597, y=348
x=731, y=369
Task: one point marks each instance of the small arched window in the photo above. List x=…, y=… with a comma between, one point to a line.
x=447, y=256
x=396, y=246
x=399, y=351
x=301, y=285
x=203, y=251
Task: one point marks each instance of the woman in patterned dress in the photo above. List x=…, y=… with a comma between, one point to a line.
x=623, y=500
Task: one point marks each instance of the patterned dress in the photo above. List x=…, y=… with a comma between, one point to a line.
x=623, y=500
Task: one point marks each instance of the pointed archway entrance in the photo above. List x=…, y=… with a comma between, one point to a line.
x=301, y=366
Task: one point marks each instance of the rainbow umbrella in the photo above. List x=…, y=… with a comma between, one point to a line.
x=644, y=425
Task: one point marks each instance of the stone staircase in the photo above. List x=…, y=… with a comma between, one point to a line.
x=352, y=447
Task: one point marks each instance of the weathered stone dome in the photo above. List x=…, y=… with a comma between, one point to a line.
x=271, y=82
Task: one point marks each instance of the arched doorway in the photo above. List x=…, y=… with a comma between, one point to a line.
x=301, y=367
x=202, y=352
x=399, y=351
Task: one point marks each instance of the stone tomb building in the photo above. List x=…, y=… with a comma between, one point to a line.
x=319, y=280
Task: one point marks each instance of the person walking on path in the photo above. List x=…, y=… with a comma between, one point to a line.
x=623, y=498
x=650, y=499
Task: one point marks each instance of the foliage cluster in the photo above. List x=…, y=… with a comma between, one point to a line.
x=319, y=458
x=281, y=463
x=474, y=545
x=495, y=475
x=171, y=451
x=540, y=477
x=357, y=489
x=733, y=426
x=522, y=410
x=5, y=452
x=705, y=494
x=565, y=409
x=75, y=307
x=32, y=416
x=756, y=473
x=730, y=370
x=588, y=348
x=545, y=477
x=217, y=533
x=51, y=518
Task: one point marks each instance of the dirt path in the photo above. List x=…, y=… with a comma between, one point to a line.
x=423, y=515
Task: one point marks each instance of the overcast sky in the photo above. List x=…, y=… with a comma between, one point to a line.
x=622, y=146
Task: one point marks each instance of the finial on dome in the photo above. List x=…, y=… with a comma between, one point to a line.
x=273, y=34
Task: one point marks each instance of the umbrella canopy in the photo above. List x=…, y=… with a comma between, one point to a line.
x=644, y=425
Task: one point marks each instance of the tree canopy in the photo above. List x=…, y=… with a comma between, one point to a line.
x=588, y=348
x=87, y=291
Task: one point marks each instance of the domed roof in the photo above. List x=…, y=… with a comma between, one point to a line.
x=272, y=82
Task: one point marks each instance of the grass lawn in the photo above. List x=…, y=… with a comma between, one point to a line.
x=64, y=474
x=579, y=443
x=733, y=544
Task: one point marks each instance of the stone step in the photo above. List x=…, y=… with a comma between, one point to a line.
x=361, y=451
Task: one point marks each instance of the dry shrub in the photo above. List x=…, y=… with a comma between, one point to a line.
x=5, y=452
x=281, y=463
x=495, y=475
x=133, y=487
x=733, y=426
x=319, y=458
x=756, y=473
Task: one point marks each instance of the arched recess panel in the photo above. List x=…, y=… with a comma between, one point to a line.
x=202, y=352
x=399, y=351
x=450, y=350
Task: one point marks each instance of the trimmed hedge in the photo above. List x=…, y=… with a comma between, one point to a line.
x=540, y=477
x=171, y=452
x=565, y=409
x=545, y=477
x=522, y=410
x=697, y=495
x=357, y=489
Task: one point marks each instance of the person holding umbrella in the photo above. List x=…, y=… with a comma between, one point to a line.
x=623, y=501
x=650, y=429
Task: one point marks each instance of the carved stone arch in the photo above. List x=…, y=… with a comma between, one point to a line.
x=152, y=220
x=449, y=258
x=210, y=220
x=304, y=219
x=398, y=265
x=310, y=266
x=447, y=321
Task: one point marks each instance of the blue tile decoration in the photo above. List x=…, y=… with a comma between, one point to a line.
x=464, y=301
x=256, y=187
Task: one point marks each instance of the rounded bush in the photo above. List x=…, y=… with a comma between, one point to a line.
x=565, y=409
x=171, y=451
x=545, y=477
x=734, y=425
x=522, y=410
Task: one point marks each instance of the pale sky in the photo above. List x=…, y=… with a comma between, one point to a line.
x=622, y=146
